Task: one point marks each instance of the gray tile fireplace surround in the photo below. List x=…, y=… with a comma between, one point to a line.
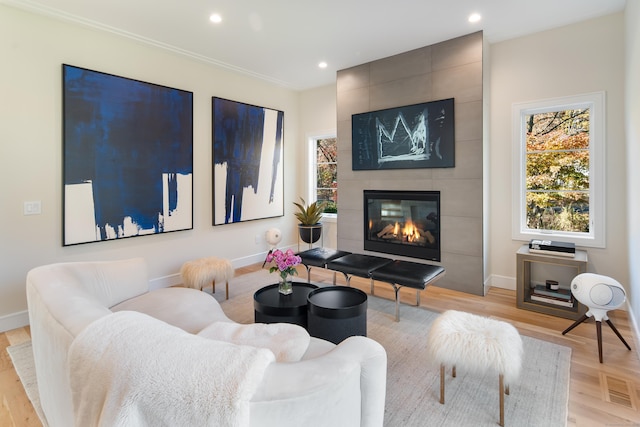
x=450, y=69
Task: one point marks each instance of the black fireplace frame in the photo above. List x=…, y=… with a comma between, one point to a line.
x=427, y=253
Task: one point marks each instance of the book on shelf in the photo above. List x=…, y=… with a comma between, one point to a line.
x=561, y=293
x=552, y=300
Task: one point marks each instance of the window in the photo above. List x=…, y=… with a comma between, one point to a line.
x=559, y=170
x=324, y=171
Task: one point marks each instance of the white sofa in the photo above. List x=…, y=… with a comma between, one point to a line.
x=331, y=385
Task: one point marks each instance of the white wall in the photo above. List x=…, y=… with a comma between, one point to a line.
x=581, y=58
x=32, y=49
x=317, y=118
x=632, y=109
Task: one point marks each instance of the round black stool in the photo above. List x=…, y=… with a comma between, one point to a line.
x=270, y=306
x=337, y=312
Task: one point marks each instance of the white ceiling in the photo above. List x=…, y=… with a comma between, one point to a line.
x=282, y=41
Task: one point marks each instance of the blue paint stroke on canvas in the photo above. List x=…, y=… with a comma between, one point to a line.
x=238, y=142
x=122, y=135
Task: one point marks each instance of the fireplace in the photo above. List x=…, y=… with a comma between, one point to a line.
x=403, y=223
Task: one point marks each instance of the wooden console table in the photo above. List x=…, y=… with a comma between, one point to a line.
x=527, y=261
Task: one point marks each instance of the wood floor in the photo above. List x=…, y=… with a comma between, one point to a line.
x=605, y=394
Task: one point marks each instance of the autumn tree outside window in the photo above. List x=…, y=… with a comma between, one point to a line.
x=559, y=170
x=324, y=169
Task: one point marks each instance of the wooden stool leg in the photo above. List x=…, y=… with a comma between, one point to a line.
x=501, y=400
x=227, y=290
x=213, y=285
x=442, y=383
x=453, y=371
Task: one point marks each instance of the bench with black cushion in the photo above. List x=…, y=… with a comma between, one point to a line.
x=357, y=265
x=319, y=257
x=408, y=274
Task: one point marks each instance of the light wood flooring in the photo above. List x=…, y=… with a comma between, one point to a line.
x=605, y=394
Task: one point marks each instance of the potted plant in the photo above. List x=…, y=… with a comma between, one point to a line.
x=309, y=216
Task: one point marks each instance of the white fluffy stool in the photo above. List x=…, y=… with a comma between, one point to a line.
x=478, y=345
x=201, y=272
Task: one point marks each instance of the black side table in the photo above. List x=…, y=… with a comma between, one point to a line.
x=336, y=313
x=270, y=306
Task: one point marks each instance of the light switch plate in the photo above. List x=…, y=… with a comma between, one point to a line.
x=33, y=208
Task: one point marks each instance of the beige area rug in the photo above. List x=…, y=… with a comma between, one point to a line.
x=540, y=398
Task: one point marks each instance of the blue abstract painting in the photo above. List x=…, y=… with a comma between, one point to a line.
x=247, y=162
x=128, y=157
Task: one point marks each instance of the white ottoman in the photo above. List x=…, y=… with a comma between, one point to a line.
x=201, y=272
x=478, y=345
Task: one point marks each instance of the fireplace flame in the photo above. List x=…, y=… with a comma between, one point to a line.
x=407, y=233
x=410, y=231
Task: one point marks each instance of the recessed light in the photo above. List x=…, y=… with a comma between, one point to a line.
x=475, y=17
x=215, y=18
x=322, y=64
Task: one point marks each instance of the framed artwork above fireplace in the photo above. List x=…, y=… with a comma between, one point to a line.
x=410, y=137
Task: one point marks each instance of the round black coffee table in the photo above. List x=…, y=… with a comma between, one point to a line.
x=270, y=306
x=336, y=313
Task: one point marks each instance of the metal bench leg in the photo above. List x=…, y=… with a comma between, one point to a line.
x=372, y=292
x=308, y=267
x=418, y=298
x=501, y=386
x=397, y=289
x=347, y=278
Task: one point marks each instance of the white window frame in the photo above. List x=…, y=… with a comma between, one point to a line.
x=313, y=169
x=596, y=235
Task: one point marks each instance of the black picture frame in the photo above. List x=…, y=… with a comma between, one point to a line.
x=248, y=170
x=409, y=137
x=127, y=157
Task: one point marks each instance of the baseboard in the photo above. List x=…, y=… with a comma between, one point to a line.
x=175, y=279
x=503, y=282
x=14, y=321
x=634, y=325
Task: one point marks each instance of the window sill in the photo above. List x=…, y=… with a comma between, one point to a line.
x=330, y=217
x=581, y=241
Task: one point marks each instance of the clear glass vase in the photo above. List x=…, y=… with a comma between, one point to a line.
x=284, y=286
